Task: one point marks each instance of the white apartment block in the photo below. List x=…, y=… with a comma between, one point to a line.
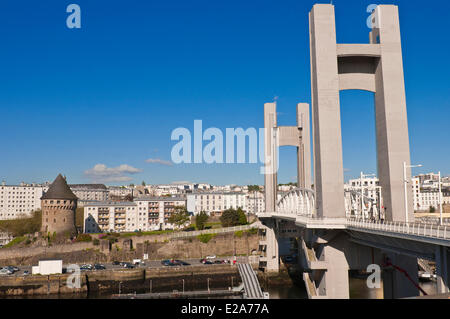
x=89, y=192
x=110, y=217
x=143, y=214
x=156, y=211
x=370, y=187
x=214, y=202
x=20, y=200
x=119, y=191
x=255, y=202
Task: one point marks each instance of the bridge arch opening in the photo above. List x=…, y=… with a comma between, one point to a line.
x=359, y=151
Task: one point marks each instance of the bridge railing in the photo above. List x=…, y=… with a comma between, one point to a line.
x=297, y=202
x=417, y=229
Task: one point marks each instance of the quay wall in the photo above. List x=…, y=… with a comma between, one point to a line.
x=124, y=280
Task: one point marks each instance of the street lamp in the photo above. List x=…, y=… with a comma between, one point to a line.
x=405, y=182
x=440, y=200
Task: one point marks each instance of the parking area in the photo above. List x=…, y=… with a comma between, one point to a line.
x=11, y=270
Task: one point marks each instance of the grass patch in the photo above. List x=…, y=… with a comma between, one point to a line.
x=22, y=226
x=15, y=241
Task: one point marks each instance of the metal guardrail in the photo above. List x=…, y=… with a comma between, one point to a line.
x=423, y=229
x=213, y=231
x=417, y=229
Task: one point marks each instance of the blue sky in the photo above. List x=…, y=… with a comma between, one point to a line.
x=111, y=92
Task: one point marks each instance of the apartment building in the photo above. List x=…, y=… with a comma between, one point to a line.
x=255, y=202
x=214, y=202
x=156, y=211
x=89, y=192
x=143, y=214
x=20, y=200
x=110, y=217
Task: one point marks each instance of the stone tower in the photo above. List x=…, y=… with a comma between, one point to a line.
x=58, y=204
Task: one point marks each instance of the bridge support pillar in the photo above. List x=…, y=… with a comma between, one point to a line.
x=272, y=249
x=442, y=270
x=334, y=282
x=395, y=283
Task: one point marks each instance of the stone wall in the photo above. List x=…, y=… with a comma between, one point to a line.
x=227, y=244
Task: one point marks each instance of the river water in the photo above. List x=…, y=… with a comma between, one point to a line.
x=358, y=290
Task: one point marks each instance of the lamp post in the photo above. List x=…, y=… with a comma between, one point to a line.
x=440, y=200
x=405, y=182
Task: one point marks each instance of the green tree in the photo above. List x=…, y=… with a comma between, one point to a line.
x=432, y=209
x=179, y=217
x=201, y=219
x=230, y=217
x=143, y=183
x=242, y=217
x=253, y=188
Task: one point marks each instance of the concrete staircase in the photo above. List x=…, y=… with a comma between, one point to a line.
x=313, y=267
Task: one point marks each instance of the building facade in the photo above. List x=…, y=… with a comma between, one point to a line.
x=20, y=200
x=215, y=202
x=89, y=192
x=143, y=214
x=110, y=217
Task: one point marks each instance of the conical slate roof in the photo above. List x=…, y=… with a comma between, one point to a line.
x=59, y=190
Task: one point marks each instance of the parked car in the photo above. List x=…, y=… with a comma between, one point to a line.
x=202, y=260
x=11, y=269
x=181, y=262
x=219, y=261
x=86, y=267
x=165, y=262
x=115, y=263
x=208, y=262
x=5, y=272
x=26, y=273
x=99, y=267
x=128, y=265
x=211, y=257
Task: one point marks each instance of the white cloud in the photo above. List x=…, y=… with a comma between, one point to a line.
x=100, y=173
x=159, y=161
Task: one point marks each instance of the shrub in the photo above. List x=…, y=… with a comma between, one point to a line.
x=230, y=217
x=84, y=238
x=252, y=231
x=201, y=219
x=96, y=242
x=205, y=238
x=239, y=233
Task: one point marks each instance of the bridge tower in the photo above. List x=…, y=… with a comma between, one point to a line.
x=274, y=137
x=375, y=67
